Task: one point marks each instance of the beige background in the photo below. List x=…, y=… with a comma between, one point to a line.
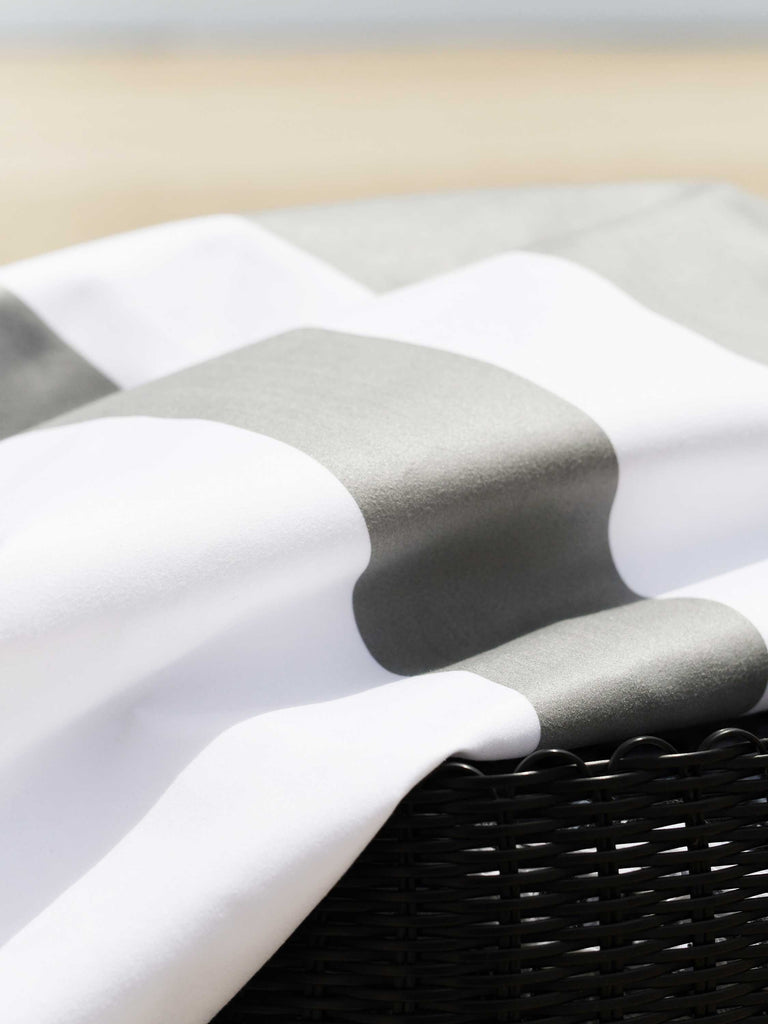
x=95, y=143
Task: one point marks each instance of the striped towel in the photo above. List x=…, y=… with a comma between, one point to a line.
x=295, y=506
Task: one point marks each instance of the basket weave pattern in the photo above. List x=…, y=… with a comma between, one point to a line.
x=551, y=890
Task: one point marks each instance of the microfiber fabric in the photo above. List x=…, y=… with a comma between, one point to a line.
x=296, y=505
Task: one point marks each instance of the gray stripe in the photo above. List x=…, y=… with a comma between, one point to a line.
x=694, y=253
x=701, y=261
x=651, y=665
x=40, y=376
x=394, y=241
x=486, y=497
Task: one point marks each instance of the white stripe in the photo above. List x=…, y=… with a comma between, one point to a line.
x=189, y=715
x=688, y=420
x=161, y=581
x=128, y=545
x=178, y=915
x=144, y=304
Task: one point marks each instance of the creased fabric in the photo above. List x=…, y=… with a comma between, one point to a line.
x=295, y=506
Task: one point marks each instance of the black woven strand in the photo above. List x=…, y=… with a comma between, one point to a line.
x=556, y=890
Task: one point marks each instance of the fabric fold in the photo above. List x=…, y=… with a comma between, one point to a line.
x=308, y=541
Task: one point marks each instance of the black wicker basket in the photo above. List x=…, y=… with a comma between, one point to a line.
x=559, y=889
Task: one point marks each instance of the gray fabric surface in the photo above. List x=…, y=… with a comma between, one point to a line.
x=701, y=261
x=389, y=242
x=487, y=501
x=40, y=376
x=697, y=253
x=648, y=665
x=486, y=497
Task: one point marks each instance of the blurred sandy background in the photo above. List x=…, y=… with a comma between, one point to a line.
x=162, y=111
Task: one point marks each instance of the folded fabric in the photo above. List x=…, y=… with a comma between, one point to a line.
x=356, y=489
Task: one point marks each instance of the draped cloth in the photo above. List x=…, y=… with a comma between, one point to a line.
x=297, y=505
